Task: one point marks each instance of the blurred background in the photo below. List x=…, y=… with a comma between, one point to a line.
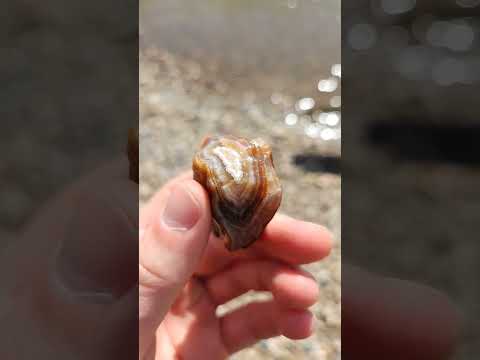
x=251, y=68
x=64, y=109
x=411, y=150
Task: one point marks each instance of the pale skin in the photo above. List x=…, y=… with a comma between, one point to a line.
x=173, y=325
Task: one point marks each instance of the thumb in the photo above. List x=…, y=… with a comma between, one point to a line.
x=171, y=245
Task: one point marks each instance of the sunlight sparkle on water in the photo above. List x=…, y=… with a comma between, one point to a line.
x=329, y=134
x=328, y=85
x=312, y=130
x=336, y=70
x=305, y=104
x=291, y=119
x=329, y=118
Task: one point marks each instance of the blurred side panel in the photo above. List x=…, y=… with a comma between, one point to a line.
x=411, y=161
x=68, y=206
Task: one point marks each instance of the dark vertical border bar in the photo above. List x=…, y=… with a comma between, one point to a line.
x=68, y=196
x=410, y=179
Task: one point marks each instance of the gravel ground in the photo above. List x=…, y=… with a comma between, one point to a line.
x=181, y=101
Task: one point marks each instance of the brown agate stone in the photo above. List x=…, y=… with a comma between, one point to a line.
x=244, y=189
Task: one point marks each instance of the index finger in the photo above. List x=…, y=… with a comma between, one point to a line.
x=286, y=239
x=294, y=241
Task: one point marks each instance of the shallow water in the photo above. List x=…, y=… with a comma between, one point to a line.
x=287, y=51
x=294, y=38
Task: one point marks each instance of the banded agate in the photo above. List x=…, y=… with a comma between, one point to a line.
x=244, y=190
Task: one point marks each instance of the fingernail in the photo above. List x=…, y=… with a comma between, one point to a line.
x=182, y=211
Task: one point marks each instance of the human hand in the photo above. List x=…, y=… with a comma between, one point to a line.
x=185, y=273
x=381, y=317
x=64, y=293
